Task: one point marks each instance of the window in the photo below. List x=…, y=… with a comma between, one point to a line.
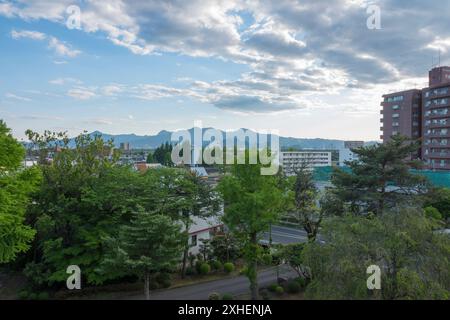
x=395, y=115
x=194, y=240
x=395, y=98
x=395, y=107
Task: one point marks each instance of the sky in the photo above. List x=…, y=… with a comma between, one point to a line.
x=308, y=69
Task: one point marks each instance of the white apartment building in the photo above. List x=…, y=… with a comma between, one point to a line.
x=346, y=154
x=291, y=161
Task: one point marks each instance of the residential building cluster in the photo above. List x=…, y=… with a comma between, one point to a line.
x=422, y=114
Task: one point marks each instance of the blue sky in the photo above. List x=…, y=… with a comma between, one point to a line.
x=306, y=69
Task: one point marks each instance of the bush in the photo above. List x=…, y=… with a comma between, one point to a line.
x=432, y=212
x=198, y=265
x=23, y=295
x=301, y=282
x=265, y=294
x=279, y=290
x=228, y=267
x=216, y=265
x=273, y=287
x=205, y=268
x=227, y=296
x=214, y=296
x=293, y=287
x=163, y=280
x=190, y=271
x=267, y=259
x=43, y=296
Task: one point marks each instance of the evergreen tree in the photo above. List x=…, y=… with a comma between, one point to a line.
x=150, y=244
x=381, y=177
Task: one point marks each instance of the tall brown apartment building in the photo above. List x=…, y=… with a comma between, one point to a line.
x=422, y=114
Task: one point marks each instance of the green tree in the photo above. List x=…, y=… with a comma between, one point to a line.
x=251, y=203
x=150, y=158
x=439, y=198
x=194, y=199
x=380, y=178
x=413, y=259
x=16, y=185
x=149, y=245
x=303, y=206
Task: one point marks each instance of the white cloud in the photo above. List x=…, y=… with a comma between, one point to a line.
x=16, y=97
x=35, y=35
x=294, y=50
x=81, y=93
x=63, y=81
x=62, y=48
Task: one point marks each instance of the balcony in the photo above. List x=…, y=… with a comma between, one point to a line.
x=438, y=155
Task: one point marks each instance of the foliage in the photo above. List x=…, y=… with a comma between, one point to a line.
x=162, y=155
x=380, y=179
x=279, y=290
x=432, y=212
x=227, y=296
x=205, y=268
x=150, y=245
x=225, y=247
x=302, y=206
x=214, y=296
x=251, y=203
x=216, y=265
x=292, y=254
x=439, y=198
x=414, y=260
x=228, y=267
x=293, y=287
x=16, y=186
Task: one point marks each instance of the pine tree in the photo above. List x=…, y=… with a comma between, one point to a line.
x=381, y=177
x=150, y=244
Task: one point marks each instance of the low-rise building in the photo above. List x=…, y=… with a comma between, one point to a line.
x=291, y=161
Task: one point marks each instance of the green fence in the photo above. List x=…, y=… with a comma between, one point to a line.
x=438, y=178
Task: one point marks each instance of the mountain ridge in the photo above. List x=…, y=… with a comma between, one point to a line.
x=163, y=136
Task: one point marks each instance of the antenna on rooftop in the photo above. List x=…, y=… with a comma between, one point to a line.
x=439, y=64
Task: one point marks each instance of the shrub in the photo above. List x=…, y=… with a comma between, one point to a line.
x=267, y=259
x=301, y=282
x=214, y=296
x=293, y=287
x=190, y=271
x=228, y=267
x=164, y=280
x=227, y=296
x=205, y=268
x=198, y=265
x=279, y=290
x=43, y=296
x=23, y=295
x=432, y=212
x=265, y=294
x=216, y=265
x=273, y=287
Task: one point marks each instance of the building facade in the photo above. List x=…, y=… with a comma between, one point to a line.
x=346, y=154
x=436, y=120
x=422, y=114
x=291, y=161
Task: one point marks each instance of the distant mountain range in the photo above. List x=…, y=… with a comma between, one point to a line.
x=154, y=141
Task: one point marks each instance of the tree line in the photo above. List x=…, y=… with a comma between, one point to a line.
x=83, y=208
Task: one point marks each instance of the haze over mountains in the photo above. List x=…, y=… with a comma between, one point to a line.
x=154, y=141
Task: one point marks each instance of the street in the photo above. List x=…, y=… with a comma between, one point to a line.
x=235, y=286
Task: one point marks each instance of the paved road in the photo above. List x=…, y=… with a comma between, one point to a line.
x=235, y=286
x=285, y=235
